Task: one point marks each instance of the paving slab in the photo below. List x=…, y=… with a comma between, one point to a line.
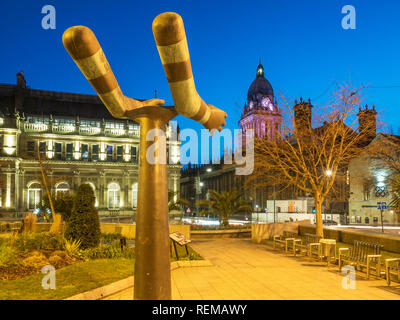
x=243, y=270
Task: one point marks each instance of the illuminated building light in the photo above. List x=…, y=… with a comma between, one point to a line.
x=9, y=150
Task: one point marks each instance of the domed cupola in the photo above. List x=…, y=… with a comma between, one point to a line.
x=261, y=113
x=260, y=87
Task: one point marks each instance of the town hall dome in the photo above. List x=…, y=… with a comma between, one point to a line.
x=260, y=87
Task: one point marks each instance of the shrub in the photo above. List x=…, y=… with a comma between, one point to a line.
x=56, y=261
x=111, y=237
x=29, y=241
x=35, y=261
x=8, y=256
x=84, y=222
x=107, y=252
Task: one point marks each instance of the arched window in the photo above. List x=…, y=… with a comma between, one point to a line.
x=34, y=195
x=62, y=188
x=91, y=184
x=113, y=196
x=134, y=195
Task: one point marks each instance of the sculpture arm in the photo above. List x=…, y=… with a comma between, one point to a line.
x=85, y=50
x=170, y=38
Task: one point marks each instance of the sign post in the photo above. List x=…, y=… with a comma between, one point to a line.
x=382, y=206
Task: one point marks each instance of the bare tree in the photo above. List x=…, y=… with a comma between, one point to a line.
x=312, y=155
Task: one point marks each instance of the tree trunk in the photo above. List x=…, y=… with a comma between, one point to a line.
x=225, y=221
x=55, y=227
x=319, y=231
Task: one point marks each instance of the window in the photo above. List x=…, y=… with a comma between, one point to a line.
x=115, y=125
x=113, y=196
x=95, y=153
x=37, y=120
x=62, y=188
x=34, y=195
x=367, y=192
x=42, y=149
x=133, y=155
x=134, y=195
x=57, y=148
x=30, y=148
x=375, y=219
x=109, y=153
x=358, y=219
x=120, y=151
x=85, y=152
x=64, y=121
x=69, y=151
x=89, y=123
x=366, y=220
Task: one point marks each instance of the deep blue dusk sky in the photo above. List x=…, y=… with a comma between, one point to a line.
x=301, y=44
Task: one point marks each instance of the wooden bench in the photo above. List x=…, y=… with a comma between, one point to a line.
x=363, y=254
x=285, y=239
x=180, y=239
x=392, y=266
x=306, y=244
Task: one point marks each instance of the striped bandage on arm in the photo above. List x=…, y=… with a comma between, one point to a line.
x=170, y=37
x=85, y=50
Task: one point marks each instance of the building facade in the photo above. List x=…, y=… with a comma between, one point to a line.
x=370, y=184
x=78, y=142
x=262, y=115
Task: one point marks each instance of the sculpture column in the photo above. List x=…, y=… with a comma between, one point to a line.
x=152, y=264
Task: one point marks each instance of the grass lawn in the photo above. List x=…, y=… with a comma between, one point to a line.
x=71, y=280
x=78, y=278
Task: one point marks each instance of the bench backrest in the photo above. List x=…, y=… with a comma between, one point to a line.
x=289, y=234
x=310, y=238
x=362, y=249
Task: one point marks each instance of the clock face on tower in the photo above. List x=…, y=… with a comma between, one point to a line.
x=266, y=103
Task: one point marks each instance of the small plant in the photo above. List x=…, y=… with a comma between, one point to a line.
x=72, y=248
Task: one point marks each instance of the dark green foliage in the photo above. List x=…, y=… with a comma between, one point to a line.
x=29, y=241
x=112, y=237
x=63, y=204
x=108, y=252
x=84, y=224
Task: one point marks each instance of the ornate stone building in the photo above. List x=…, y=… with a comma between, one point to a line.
x=261, y=112
x=79, y=141
x=262, y=115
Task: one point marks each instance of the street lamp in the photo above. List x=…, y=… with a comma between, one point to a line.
x=257, y=213
x=328, y=172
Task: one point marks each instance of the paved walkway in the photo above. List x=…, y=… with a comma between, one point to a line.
x=243, y=270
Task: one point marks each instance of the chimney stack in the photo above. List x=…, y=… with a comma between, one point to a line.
x=302, y=115
x=367, y=122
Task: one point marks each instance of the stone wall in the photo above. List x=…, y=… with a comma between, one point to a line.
x=129, y=230
x=388, y=242
x=264, y=231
